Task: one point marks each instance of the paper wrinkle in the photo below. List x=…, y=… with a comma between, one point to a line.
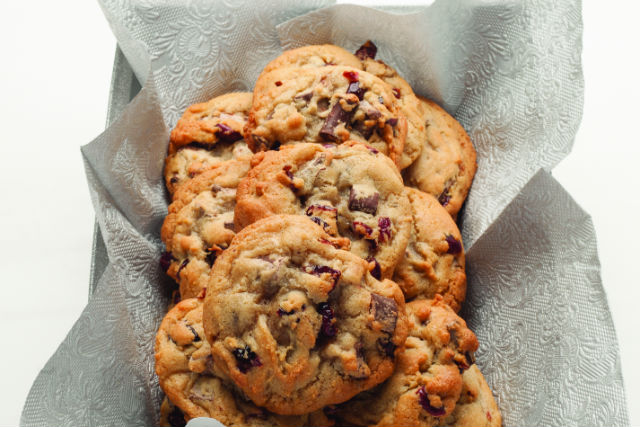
x=511, y=73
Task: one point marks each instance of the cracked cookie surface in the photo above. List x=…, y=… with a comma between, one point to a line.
x=350, y=190
x=207, y=134
x=434, y=261
x=193, y=385
x=297, y=323
x=200, y=225
x=447, y=164
x=330, y=104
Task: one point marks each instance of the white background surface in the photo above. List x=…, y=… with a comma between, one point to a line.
x=54, y=84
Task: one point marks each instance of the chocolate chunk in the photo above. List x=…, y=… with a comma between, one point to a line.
x=423, y=397
x=362, y=370
x=377, y=271
x=174, y=179
x=356, y=90
x=281, y=312
x=384, y=224
x=385, y=311
x=227, y=134
x=215, y=188
x=246, y=358
x=386, y=346
x=323, y=104
x=230, y=226
x=211, y=257
x=328, y=328
x=367, y=204
x=336, y=116
x=176, y=418
x=165, y=261
x=363, y=129
x=183, y=265
x=196, y=337
x=455, y=247
x=367, y=51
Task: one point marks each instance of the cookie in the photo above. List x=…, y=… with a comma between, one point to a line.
x=193, y=385
x=200, y=225
x=206, y=135
x=447, y=163
x=433, y=262
x=313, y=56
x=409, y=103
x=297, y=323
x=329, y=104
x=350, y=190
x=428, y=380
x=476, y=406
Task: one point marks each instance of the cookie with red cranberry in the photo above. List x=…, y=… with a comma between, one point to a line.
x=409, y=103
x=206, y=135
x=447, y=164
x=350, y=190
x=193, y=385
x=200, y=225
x=298, y=323
x=329, y=104
x=476, y=406
x=428, y=380
x=433, y=262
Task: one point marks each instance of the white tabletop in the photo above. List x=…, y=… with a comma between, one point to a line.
x=54, y=86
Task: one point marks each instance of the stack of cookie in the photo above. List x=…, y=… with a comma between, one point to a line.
x=315, y=288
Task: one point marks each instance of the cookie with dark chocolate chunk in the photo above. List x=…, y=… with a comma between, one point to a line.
x=200, y=225
x=298, y=323
x=350, y=190
x=435, y=383
x=330, y=104
x=196, y=388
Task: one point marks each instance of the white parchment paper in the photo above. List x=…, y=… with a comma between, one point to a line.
x=508, y=70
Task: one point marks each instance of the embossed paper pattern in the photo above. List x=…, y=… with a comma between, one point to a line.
x=508, y=70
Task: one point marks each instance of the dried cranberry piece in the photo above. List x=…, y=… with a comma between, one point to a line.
x=352, y=76
x=215, y=188
x=278, y=83
x=246, y=358
x=230, y=226
x=377, y=271
x=455, y=247
x=183, y=265
x=396, y=92
x=373, y=150
x=367, y=51
x=355, y=89
x=367, y=204
x=165, y=261
x=470, y=359
x=176, y=296
x=328, y=328
x=176, y=418
x=287, y=170
x=312, y=208
x=227, y=134
x=445, y=196
x=196, y=337
x=384, y=224
x=321, y=223
x=423, y=398
x=392, y=122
